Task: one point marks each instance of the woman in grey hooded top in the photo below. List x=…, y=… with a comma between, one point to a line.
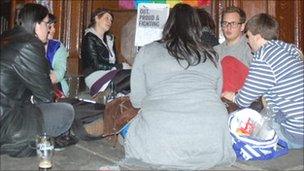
x=177, y=84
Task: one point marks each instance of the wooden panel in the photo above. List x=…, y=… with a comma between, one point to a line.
x=75, y=26
x=70, y=32
x=252, y=8
x=109, y=4
x=271, y=5
x=238, y=3
x=87, y=10
x=215, y=8
x=299, y=27
x=57, y=11
x=285, y=14
x=74, y=16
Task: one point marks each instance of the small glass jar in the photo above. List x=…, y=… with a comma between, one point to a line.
x=45, y=149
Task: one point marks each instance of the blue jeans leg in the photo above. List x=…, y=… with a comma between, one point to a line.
x=291, y=145
x=58, y=117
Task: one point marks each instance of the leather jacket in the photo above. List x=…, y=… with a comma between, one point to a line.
x=24, y=72
x=95, y=55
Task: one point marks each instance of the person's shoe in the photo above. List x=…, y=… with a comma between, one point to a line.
x=95, y=128
x=63, y=141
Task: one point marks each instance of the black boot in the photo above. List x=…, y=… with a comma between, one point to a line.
x=64, y=140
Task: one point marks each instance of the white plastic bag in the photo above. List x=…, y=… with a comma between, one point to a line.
x=252, y=140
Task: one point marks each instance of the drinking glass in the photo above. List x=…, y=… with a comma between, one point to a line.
x=45, y=149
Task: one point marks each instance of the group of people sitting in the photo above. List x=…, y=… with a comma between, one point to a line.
x=177, y=82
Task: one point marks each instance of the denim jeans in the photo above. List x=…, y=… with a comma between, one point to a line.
x=279, y=117
x=58, y=117
x=291, y=145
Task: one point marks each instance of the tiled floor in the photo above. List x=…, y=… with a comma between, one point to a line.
x=95, y=154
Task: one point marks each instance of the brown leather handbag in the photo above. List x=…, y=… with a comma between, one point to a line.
x=117, y=113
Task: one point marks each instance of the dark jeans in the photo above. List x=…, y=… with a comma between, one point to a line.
x=58, y=117
x=292, y=141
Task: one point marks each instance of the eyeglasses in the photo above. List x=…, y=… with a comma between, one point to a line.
x=46, y=22
x=233, y=24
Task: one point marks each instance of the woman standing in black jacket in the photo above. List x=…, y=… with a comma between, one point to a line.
x=98, y=51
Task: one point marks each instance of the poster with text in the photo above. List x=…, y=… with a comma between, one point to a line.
x=151, y=18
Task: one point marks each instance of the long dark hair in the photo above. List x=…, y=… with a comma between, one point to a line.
x=182, y=35
x=31, y=14
x=52, y=19
x=206, y=19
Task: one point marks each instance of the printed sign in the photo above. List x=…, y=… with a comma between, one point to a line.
x=150, y=22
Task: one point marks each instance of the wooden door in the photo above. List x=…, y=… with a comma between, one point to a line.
x=74, y=16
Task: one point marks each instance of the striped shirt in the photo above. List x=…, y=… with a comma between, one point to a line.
x=277, y=73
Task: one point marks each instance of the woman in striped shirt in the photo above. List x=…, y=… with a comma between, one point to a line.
x=276, y=73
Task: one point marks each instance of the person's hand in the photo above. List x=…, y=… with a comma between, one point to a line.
x=229, y=95
x=126, y=66
x=53, y=77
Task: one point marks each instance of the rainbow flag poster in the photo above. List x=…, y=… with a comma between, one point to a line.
x=133, y=4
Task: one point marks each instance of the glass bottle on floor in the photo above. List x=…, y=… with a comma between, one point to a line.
x=45, y=149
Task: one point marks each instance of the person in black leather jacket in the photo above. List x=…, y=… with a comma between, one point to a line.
x=98, y=49
x=26, y=90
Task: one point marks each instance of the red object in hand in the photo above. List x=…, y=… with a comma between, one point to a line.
x=234, y=74
x=58, y=94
